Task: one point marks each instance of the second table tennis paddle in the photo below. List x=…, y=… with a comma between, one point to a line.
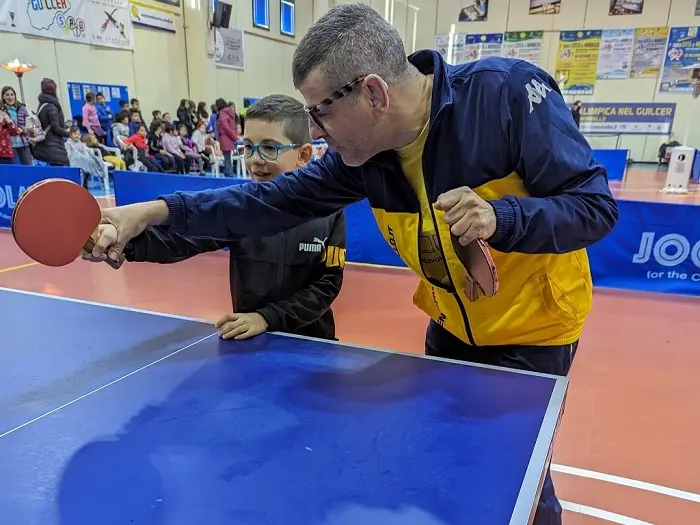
x=53, y=220
x=482, y=276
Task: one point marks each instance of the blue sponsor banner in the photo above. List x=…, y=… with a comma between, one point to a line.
x=654, y=247
x=15, y=178
x=132, y=186
x=644, y=118
x=682, y=50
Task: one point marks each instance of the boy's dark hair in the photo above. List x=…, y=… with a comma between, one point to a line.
x=155, y=113
x=121, y=116
x=134, y=101
x=138, y=128
x=89, y=97
x=135, y=112
x=73, y=129
x=123, y=103
x=214, y=109
x=99, y=94
x=284, y=110
x=169, y=127
x=220, y=104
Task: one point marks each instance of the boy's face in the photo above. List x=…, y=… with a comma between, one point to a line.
x=272, y=133
x=136, y=105
x=136, y=117
x=183, y=131
x=142, y=131
x=159, y=116
x=75, y=135
x=100, y=99
x=166, y=117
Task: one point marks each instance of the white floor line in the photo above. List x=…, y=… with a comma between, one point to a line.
x=633, y=483
x=105, y=386
x=104, y=305
x=602, y=514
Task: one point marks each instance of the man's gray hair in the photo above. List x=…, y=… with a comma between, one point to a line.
x=348, y=41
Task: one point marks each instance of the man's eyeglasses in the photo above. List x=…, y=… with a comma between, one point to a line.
x=344, y=91
x=269, y=152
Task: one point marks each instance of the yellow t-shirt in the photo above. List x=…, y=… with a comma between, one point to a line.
x=411, y=158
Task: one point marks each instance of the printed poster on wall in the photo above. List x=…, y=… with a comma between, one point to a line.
x=474, y=11
x=97, y=22
x=151, y=17
x=626, y=7
x=577, y=61
x=649, y=51
x=615, y=57
x=476, y=47
x=442, y=46
x=525, y=45
x=683, y=50
x=545, y=7
x=228, y=48
x=645, y=118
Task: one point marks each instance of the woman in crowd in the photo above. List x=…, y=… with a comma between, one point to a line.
x=226, y=133
x=52, y=149
x=8, y=131
x=18, y=113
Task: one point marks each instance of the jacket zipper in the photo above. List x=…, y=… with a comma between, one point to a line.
x=453, y=288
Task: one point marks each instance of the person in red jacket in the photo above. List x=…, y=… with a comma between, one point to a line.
x=7, y=130
x=139, y=141
x=226, y=129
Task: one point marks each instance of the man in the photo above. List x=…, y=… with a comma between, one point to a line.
x=482, y=150
x=282, y=283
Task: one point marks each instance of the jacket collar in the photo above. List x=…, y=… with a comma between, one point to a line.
x=427, y=62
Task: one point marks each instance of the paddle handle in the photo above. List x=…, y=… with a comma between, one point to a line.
x=90, y=244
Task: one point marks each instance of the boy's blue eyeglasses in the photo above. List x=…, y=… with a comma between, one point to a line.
x=270, y=152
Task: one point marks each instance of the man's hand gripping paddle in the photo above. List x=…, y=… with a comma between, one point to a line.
x=54, y=220
x=482, y=276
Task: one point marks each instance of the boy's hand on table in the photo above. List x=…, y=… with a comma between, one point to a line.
x=241, y=326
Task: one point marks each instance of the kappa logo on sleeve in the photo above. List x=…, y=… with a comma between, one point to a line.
x=536, y=92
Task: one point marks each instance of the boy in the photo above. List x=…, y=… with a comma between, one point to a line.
x=283, y=283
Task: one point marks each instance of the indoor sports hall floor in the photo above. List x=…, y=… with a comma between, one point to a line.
x=627, y=451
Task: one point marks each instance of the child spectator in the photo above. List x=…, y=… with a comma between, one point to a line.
x=226, y=133
x=211, y=125
x=8, y=130
x=124, y=105
x=157, y=119
x=138, y=140
x=172, y=144
x=90, y=118
x=104, y=114
x=167, y=118
x=135, y=104
x=199, y=139
x=80, y=156
x=108, y=156
x=202, y=113
x=135, y=121
x=18, y=113
x=273, y=287
x=184, y=116
x=155, y=144
x=190, y=149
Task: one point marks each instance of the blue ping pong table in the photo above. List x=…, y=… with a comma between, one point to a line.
x=114, y=416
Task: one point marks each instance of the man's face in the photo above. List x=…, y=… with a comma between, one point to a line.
x=259, y=132
x=351, y=124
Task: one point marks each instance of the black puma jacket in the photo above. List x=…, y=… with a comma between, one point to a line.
x=290, y=278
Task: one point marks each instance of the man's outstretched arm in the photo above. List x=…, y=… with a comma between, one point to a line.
x=318, y=189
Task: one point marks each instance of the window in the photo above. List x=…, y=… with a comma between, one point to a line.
x=287, y=17
x=261, y=13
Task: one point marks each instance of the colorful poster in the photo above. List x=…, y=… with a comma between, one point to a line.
x=9, y=16
x=97, y=22
x=469, y=48
x=474, y=11
x=626, y=7
x=614, y=60
x=526, y=45
x=577, y=61
x=649, y=50
x=648, y=118
x=442, y=46
x=545, y=7
x=683, y=50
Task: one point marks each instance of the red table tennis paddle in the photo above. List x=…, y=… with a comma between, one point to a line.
x=482, y=276
x=54, y=220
